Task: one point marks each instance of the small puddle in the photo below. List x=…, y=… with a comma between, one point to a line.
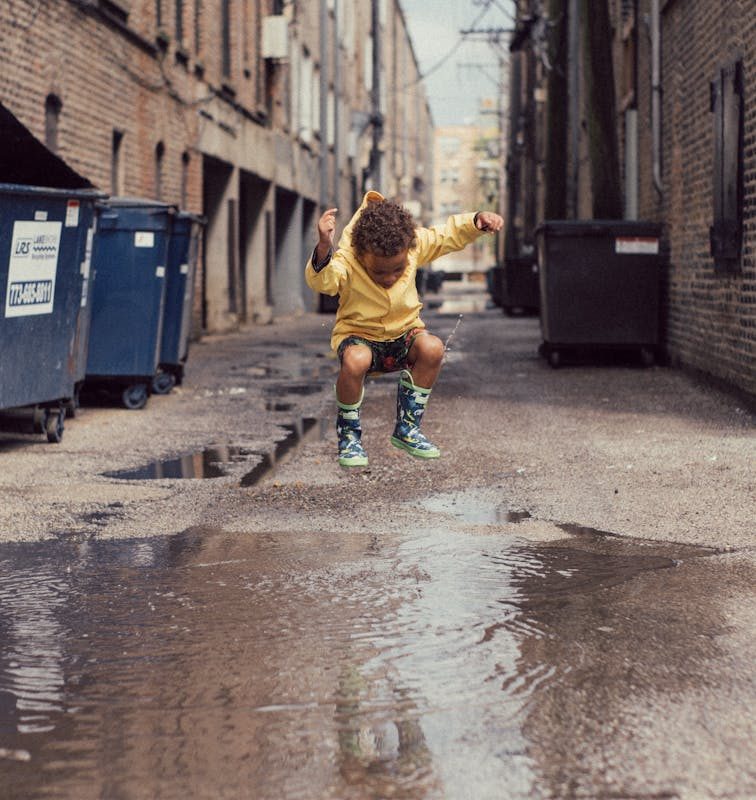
x=213, y=462
x=330, y=665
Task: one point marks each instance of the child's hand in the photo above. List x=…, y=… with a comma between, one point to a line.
x=488, y=221
x=327, y=227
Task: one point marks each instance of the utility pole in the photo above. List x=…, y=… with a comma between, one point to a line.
x=573, y=93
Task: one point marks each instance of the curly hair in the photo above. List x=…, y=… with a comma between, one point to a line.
x=384, y=229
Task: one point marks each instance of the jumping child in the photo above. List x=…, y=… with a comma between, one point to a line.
x=378, y=326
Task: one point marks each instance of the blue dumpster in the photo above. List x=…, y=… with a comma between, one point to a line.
x=44, y=290
x=183, y=250
x=129, y=259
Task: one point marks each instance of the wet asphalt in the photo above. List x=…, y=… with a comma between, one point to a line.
x=196, y=601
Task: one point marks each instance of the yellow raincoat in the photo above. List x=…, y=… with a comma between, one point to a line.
x=369, y=310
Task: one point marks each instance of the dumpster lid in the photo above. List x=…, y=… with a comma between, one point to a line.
x=599, y=227
x=139, y=202
x=25, y=160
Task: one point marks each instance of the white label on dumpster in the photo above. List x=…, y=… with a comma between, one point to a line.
x=636, y=245
x=32, y=268
x=72, y=214
x=40, y=216
x=144, y=239
x=160, y=272
x=184, y=269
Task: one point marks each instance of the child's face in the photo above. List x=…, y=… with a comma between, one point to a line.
x=385, y=270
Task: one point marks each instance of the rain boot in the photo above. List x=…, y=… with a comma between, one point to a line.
x=349, y=432
x=410, y=406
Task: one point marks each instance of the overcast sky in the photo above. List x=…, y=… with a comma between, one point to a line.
x=468, y=75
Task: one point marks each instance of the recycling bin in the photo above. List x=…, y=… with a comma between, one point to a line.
x=45, y=248
x=599, y=286
x=129, y=258
x=520, y=287
x=183, y=250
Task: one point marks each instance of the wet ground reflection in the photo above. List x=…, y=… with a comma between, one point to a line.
x=270, y=666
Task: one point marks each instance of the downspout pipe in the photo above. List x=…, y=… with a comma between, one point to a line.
x=323, y=111
x=656, y=90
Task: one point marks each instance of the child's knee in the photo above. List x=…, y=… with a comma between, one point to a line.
x=356, y=359
x=428, y=349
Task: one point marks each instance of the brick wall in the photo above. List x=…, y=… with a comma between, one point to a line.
x=710, y=318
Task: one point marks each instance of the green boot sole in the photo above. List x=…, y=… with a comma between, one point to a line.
x=415, y=451
x=355, y=461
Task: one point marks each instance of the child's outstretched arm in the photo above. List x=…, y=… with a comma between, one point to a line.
x=459, y=231
x=326, y=233
x=324, y=270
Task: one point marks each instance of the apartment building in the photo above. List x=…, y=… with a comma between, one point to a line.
x=253, y=113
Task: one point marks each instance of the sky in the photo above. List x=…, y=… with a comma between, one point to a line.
x=469, y=72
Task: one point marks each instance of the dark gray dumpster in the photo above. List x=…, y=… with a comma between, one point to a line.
x=129, y=261
x=183, y=250
x=599, y=286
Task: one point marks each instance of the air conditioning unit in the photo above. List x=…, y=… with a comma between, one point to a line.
x=275, y=37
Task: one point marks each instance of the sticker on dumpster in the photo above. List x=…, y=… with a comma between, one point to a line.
x=160, y=272
x=40, y=216
x=32, y=268
x=144, y=239
x=72, y=214
x=636, y=245
x=184, y=269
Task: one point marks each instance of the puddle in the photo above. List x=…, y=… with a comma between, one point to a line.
x=213, y=462
x=473, y=507
x=207, y=463
x=334, y=666
x=305, y=430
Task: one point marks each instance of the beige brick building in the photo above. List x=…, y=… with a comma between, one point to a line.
x=251, y=112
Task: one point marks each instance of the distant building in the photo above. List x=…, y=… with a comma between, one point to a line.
x=253, y=114
x=465, y=179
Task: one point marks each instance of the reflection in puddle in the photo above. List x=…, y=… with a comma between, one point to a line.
x=213, y=462
x=315, y=666
x=207, y=463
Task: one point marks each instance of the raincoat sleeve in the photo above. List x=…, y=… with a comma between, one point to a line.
x=456, y=234
x=330, y=278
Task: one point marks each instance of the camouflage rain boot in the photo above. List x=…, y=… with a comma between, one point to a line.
x=349, y=432
x=410, y=406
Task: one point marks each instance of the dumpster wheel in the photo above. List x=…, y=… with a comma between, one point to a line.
x=555, y=358
x=54, y=425
x=163, y=382
x=134, y=396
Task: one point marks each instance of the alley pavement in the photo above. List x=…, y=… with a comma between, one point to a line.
x=650, y=453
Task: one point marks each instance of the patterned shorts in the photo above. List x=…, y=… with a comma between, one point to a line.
x=389, y=356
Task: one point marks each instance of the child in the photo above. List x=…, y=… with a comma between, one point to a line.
x=378, y=327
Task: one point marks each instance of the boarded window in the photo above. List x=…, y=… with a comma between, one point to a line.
x=726, y=234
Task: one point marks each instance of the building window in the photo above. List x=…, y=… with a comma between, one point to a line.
x=185, y=179
x=116, y=163
x=726, y=234
x=53, y=106
x=180, y=21
x=197, y=26
x=226, y=34
x=159, y=156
